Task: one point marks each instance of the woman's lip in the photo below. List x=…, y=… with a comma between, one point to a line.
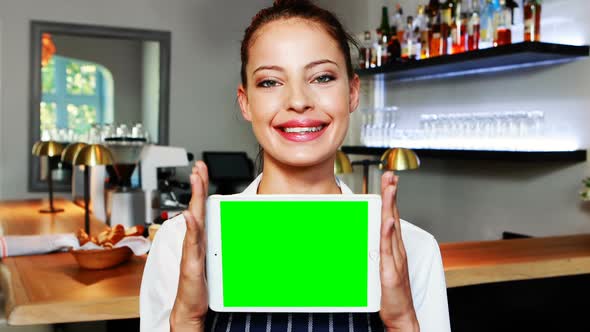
x=302, y=123
x=302, y=137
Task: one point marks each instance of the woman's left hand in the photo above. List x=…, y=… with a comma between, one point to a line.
x=397, y=308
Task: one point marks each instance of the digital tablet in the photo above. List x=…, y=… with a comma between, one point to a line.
x=293, y=253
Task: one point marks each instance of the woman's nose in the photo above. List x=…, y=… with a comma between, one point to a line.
x=299, y=99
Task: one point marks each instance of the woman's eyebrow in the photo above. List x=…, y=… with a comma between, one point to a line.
x=319, y=62
x=278, y=68
x=308, y=66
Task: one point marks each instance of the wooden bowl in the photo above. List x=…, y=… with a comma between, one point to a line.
x=101, y=258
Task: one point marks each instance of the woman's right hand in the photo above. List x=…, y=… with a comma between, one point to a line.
x=191, y=303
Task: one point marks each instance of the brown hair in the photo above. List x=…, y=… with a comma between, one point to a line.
x=304, y=9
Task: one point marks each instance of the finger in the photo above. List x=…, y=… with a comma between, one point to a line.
x=387, y=202
x=191, y=236
x=387, y=263
x=398, y=248
x=201, y=168
x=197, y=204
x=395, y=213
x=192, y=250
x=385, y=243
x=386, y=180
x=203, y=172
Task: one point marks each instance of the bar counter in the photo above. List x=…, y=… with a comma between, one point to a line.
x=45, y=289
x=474, y=263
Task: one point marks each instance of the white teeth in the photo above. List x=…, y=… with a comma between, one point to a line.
x=303, y=129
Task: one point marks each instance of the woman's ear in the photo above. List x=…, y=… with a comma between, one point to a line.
x=355, y=87
x=243, y=101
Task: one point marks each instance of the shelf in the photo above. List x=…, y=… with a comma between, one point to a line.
x=490, y=60
x=518, y=156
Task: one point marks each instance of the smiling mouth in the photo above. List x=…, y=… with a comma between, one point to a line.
x=302, y=130
x=301, y=134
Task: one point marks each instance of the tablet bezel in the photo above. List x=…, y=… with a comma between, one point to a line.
x=214, y=254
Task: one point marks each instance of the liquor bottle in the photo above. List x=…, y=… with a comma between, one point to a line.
x=473, y=28
x=433, y=12
x=532, y=20
x=446, y=13
x=378, y=48
x=384, y=35
x=464, y=45
x=421, y=19
x=394, y=48
x=384, y=27
x=436, y=43
x=459, y=28
x=365, y=51
x=398, y=21
x=411, y=45
x=421, y=24
x=487, y=25
x=503, y=32
x=375, y=50
x=455, y=27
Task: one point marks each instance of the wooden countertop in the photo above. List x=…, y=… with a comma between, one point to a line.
x=51, y=288
x=471, y=263
x=45, y=289
x=23, y=218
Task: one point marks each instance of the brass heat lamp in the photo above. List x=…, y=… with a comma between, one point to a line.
x=399, y=159
x=88, y=156
x=48, y=149
x=394, y=159
x=342, y=164
x=69, y=153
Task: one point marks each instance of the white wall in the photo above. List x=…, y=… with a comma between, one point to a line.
x=204, y=70
x=458, y=201
x=354, y=15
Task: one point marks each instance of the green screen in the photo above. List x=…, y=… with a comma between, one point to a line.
x=294, y=254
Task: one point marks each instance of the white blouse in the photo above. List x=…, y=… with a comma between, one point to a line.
x=160, y=276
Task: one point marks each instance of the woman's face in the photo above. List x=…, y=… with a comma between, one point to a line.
x=299, y=97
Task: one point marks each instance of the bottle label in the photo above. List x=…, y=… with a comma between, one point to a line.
x=405, y=51
x=446, y=16
x=528, y=25
x=455, y=35
x=484, y=34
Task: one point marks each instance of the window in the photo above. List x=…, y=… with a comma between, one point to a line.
x=75, y=95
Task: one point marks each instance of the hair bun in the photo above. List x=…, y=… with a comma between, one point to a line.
x=289, y=3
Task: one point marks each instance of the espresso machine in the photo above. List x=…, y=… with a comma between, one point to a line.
x=124, y=200
x=126, y=192
x=132, y=205
x=154, y=158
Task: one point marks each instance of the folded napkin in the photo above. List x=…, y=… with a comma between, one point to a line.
x=138, y=244
x=20, y=245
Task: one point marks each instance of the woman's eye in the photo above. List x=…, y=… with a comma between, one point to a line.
x=268, y=84
x=324, y=78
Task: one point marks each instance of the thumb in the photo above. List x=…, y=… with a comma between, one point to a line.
x=197, y=203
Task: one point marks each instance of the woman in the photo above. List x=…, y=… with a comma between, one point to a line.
x=298, y=89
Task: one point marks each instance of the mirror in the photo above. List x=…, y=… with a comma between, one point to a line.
x=85, y=75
